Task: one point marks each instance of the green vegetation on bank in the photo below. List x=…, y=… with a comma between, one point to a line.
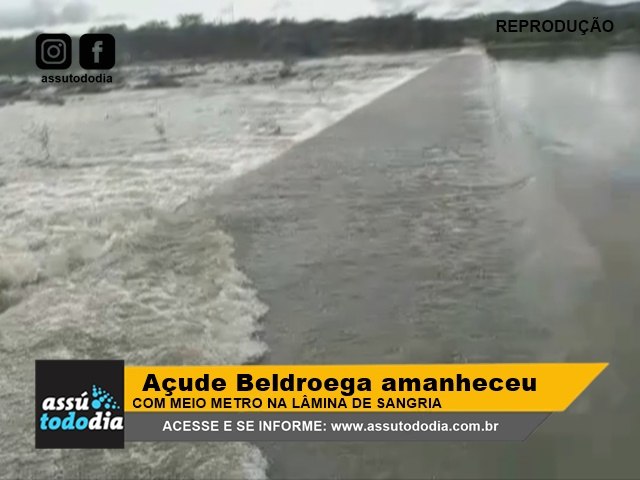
x=192, y=38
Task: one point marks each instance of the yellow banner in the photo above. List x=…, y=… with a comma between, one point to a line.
x=536, y=387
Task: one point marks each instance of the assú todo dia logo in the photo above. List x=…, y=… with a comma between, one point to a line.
x=93, y=412
x=79, y=404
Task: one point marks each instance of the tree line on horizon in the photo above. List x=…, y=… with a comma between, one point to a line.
x=193, y=38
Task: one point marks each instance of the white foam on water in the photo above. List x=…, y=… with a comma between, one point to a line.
x=99, y=260
x=353, y=101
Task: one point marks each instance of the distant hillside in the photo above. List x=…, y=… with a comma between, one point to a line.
x=194, y=39
x=577, y=10
x=574, y=7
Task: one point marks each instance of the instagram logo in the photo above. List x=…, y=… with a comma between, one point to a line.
x=53, y=51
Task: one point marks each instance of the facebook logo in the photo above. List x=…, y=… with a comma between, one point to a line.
x=97, y=51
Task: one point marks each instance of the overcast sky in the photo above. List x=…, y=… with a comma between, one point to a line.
x=18, y=17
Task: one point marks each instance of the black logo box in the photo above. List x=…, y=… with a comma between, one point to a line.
x=54, y=51
x=70, y=378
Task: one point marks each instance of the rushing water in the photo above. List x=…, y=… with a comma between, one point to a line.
x=512, y=236
x=106, y=249
x=493, y=217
